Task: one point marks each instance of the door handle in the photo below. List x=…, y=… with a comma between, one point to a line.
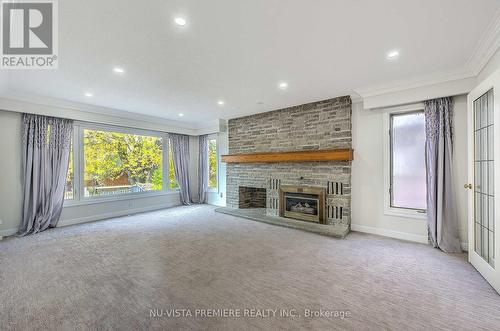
x=469, y=186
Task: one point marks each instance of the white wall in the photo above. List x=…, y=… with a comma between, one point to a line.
x=10, y=169
x=11, y=190
x=461, y=164
x=367, y=177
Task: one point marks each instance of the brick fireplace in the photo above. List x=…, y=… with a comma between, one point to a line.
x=323, y=125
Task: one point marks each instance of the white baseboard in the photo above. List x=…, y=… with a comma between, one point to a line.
x=398, y=235
x=92, y=218
x=8, y=232
x=390, y=233
x=119, y=213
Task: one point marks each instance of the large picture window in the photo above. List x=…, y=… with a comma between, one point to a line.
x=407, y=172
x=110, y=162
x=120, y=163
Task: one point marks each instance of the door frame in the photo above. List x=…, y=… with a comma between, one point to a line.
x=492, y=275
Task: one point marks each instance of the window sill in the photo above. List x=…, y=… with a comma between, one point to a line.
x=91, y=201
x=212, y=190
x=406, y=213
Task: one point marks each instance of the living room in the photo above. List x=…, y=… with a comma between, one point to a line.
x=255, y=165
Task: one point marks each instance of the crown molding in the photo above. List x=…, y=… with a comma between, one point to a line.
x=355, y=98
x=17, y=102
x=414, y=95
x=457, y=80
x=486, y=47
x=216, y=126
x=88, y=113
x=213, y=127
x=423, y=81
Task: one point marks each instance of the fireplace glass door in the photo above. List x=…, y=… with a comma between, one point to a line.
x=302, y=206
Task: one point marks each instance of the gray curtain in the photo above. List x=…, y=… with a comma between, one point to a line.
x=203, y=170
x=441, y=209
x=180, y=154
x=46, y=145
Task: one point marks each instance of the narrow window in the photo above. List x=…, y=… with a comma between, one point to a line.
x=212, y=164
x=408, y=176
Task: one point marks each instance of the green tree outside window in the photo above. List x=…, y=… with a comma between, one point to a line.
x=118, y=163
x=212, y=163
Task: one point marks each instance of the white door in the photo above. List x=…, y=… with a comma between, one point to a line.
x=484, y=179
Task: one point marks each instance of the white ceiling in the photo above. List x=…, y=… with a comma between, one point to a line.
x=239, y=51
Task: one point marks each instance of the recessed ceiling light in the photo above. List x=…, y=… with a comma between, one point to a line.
x=89, y=94
x=393, y=55
x=221, y=102
x=283, y=85
x=119, y=70
x=181, y=114
x=180, y=21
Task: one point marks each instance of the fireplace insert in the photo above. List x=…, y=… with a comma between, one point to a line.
x=303, y=203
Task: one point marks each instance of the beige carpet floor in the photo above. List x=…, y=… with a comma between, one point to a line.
x=113, y=274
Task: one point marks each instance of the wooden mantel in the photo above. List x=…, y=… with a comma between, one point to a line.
x=299, y=156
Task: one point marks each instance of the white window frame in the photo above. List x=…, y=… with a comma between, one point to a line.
x=78, y=165
x=388, y=209
x=215, y=137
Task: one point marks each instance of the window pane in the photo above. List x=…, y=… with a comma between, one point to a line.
x=408, y=179
x=212, y=163
x=118, y=163
x=171, y=171
x=68, y=189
